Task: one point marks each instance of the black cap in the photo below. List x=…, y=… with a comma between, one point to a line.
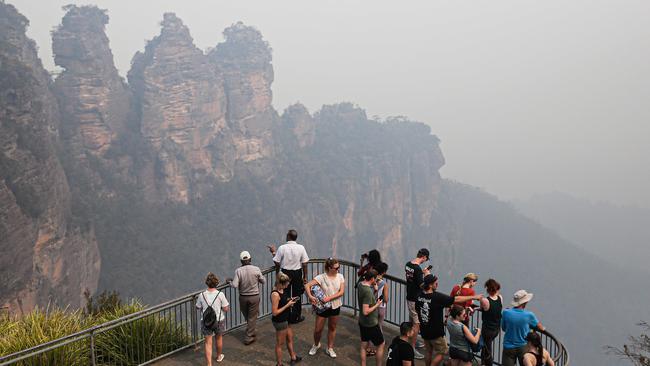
x=424, y=252
x=429, y=279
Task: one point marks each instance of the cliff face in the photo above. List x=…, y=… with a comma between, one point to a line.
x=189, y=164
x=46, y=257
x=94, y=100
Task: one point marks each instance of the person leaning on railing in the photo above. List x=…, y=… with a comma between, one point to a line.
x=517, y=323
x=333, y=285
x=491, y=307
x=291, y=259
x=536, y=354
x=247, y=280
x=460, y=336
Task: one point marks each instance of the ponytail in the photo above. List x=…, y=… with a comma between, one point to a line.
x=536, y=341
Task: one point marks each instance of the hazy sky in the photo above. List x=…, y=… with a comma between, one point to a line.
x=526, y=96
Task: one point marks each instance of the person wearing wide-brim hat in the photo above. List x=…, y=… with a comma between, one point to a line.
x=517, y=322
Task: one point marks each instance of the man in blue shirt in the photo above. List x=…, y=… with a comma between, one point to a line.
x=517, y=323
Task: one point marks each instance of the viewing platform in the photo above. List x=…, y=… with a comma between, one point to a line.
x=169, y=334
x=262, y=351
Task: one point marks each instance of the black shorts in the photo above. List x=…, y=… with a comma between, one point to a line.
x=329, y=312
x=457, y=354
x=371, y=334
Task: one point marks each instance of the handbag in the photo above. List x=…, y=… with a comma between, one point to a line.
x=320, y=305
x=475, y=347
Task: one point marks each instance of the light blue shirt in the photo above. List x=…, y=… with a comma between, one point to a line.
x=517, y=323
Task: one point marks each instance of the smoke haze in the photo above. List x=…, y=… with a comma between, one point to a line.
x=526, y=96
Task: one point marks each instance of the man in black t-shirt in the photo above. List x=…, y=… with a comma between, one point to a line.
x=430, y=306
x=414, y=274
x=400, y=352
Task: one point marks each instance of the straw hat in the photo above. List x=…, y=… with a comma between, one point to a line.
x=521, y=297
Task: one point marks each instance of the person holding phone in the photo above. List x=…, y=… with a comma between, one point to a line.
x=281, y=303
x=414, y=276
x=368, y=317
x=333, y=285
x=460, y=352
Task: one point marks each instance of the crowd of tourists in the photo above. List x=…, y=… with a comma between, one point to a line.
x=432, y=314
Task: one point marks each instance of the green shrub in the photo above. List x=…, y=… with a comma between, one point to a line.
x=129, y=344
x=40, y=326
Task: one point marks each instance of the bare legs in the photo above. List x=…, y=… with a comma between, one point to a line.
x=429, y=359
x=282, y=336
x=208, y=350
x=318, y=329
x=331, y=329
x=379, y=357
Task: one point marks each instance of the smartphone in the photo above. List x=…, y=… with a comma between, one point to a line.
x=429, y=267
x=381, y=297
x=295, y=298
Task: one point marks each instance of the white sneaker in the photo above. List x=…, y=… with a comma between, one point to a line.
x=314, y=349
x=330, y=352
x=418, y=355
x=220, y=358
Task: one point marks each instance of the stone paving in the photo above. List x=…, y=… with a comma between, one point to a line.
x=262, y=351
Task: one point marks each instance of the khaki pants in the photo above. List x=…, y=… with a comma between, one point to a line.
x=250, y=308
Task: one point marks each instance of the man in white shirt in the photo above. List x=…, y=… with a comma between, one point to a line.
x=291, y=258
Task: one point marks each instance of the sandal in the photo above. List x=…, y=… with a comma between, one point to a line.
x=370, y=352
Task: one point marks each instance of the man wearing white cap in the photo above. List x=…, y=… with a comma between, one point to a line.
x=517, y=323
x=248, y=279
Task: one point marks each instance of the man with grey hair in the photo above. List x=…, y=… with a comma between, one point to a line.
x=248, y=279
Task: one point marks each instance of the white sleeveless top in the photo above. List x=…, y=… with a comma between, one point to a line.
x=331, y=286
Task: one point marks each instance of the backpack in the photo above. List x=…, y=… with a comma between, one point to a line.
x=209, y=315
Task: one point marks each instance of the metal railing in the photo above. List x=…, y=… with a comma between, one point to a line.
x=160, y=331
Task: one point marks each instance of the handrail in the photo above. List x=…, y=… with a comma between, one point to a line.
x=184, y=307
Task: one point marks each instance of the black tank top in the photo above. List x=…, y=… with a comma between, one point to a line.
x=492, y=317
x=283, y=316
x=535, y=354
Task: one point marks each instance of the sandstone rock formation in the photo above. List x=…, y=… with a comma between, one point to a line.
x=190, y=159
x=46, y=257
x=94, y=99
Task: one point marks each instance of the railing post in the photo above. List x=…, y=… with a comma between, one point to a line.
x=194, y=321
x=93, y=362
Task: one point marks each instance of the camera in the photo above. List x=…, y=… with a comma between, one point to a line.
x=364, y=255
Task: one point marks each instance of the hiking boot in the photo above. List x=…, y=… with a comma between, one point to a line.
x=330, y=352
x=314, y=349
x=418, y=355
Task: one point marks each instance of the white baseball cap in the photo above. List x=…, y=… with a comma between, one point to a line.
x=244, y=255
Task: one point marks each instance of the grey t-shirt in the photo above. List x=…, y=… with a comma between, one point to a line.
x=457, y=336
x=248, y=279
